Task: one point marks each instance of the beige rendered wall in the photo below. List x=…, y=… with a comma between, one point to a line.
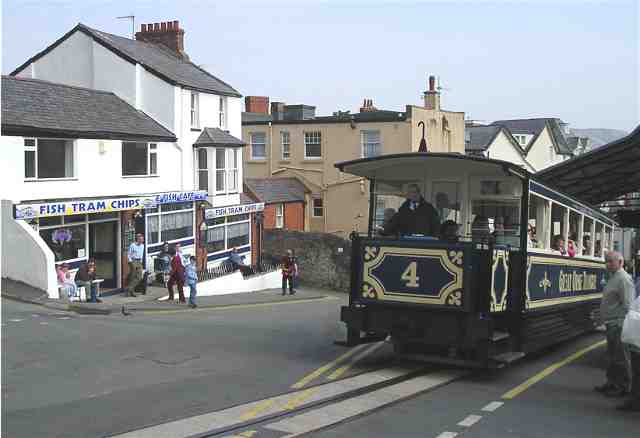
x=435, y=136
x=542, y=153
x=503, y=149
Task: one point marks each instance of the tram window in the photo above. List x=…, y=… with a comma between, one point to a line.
x=538, y=222
x=597, y=243
x=608, y=245
x=573, y=242
x=389, y=196
x=446, y=199
x=496, y=218
x=558, y=228
x=587, y=236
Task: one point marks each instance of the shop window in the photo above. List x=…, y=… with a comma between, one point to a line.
x=446, y=200
x=279, y=215
x=139, y=159
x=312, y=145
x=215, y=239
x=48, y=158
x=67, y=243
x=318, y=207
x=238, y=235
x=176, y=226
x=153, y=229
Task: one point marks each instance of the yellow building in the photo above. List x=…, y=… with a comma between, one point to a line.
x=291, y=141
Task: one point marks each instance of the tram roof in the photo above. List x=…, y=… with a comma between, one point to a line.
x=601, y=175
x=413, y=165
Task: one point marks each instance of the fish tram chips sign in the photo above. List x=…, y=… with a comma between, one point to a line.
x=66, y=208
x=213, y=213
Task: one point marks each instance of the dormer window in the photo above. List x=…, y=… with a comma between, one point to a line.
x=195, y=110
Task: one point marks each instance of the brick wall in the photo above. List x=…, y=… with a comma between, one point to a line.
x=256, y=104
x=293, y=216
x=323, y=259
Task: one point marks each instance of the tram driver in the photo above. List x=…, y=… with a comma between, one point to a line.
x=415, y=216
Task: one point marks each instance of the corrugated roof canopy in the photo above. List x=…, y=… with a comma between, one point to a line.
x=601, y=175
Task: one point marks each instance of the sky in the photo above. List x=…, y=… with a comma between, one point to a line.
x=572, y=59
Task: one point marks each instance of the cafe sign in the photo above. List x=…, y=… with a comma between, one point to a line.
x=104, y=205
x=212, y=213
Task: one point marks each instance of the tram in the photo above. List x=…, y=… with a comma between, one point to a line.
x=524, y=270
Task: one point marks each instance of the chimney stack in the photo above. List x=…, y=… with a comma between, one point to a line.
x=367, y=106
x=167, y=34
x=277, y=110
x=432, y=95
x=256, y=104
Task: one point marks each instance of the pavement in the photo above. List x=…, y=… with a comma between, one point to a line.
x=150, y=302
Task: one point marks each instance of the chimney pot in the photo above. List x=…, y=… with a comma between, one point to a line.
x=143, y=28
x=156, y=27
x=149, y=27
x=163, y=26
x=432, y=83
x=176, y=24
x=169, y=25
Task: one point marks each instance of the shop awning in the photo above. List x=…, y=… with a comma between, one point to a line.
x=67, y=207
x=601, y=175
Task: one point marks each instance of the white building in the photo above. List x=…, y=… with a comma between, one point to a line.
x=200, y=114
x=533, y=144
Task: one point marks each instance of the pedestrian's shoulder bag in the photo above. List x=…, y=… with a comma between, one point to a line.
x=631, y=326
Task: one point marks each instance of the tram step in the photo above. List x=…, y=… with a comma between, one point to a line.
x=497, y=336
x=508, y=357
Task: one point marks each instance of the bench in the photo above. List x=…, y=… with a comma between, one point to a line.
x=82, y=293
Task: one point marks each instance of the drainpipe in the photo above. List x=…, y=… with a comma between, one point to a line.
x=270, y=148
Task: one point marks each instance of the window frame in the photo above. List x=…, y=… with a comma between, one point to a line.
x=34, y=148
x=201, y=169
x=152, y=149
x=287, y=156
x=252, y=144
x=317, y=134
x=194, y=107
x=222, y=113
x=159, y=214
x=225, y=224
x=313, y=207
x=279, y=216
x=363, y=144
x=63, y=224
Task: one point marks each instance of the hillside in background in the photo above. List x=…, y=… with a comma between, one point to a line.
x=600, y=137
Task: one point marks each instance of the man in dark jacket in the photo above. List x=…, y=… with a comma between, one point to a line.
x=415, y=216
x=84, y=278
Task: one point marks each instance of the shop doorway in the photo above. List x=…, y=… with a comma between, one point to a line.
x=103, y=247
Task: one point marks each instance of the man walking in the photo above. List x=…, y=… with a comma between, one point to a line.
x=616, y=298
x=288, y=272
x=135, y=255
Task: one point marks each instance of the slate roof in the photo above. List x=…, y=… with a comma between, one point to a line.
x=32, y=107
x=217, y=137
x=535, y=127
x=155, y=58
x=479, y=138
x=273, y=190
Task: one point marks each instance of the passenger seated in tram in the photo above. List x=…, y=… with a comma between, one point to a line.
x=449, y=231
x=597, y=250
x=480, y=231
x=415, y=216
x=586, y=245
x=532, y=242
x=572, y=248
x=558, y=245
x=386, y=220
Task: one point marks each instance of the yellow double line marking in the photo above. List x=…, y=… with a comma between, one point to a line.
x=551, y=369
x=299, y=398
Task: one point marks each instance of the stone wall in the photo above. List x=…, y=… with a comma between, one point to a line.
x=323, y=259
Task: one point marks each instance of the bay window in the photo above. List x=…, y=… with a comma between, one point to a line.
x=221, y=173
x=203, y=169
x=48, y=158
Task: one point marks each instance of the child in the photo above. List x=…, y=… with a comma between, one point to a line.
x=192, y=278
x=64, y=280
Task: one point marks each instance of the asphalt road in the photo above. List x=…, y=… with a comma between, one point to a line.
x=66, y=375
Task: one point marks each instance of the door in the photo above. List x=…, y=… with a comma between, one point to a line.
x=103, y=248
